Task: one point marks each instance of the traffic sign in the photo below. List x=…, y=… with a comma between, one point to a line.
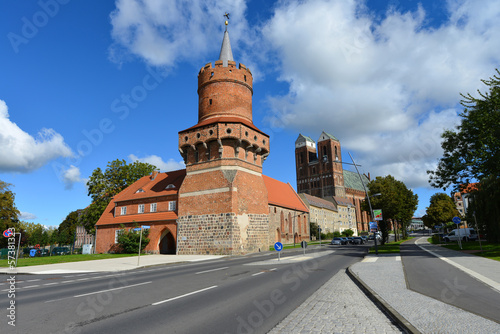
x=278, y=246
x=136, y=229
x=456, y=220
x=145, y=227
x=8, y=233
x=303, y=244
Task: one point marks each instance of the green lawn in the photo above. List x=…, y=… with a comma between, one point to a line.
x=490, y=251
x=390, y=247
x=297, y=245
x=35, y=261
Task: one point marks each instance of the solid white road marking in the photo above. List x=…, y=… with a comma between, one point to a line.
x=187, y=294
x=484, y=279
x=122, y=287
x=258, y=273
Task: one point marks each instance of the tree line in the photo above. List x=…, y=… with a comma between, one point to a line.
x=472, y=155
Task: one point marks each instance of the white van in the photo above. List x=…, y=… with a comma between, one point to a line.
x=464, y=234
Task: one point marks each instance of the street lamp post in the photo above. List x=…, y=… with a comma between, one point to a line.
x=368, y=198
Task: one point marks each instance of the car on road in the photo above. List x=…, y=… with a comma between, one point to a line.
x=464, y=234
x=337, y=241
x=357, y=241
x=60, y=251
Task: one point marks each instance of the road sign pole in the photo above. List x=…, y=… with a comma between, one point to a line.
x=140, y=241
x=18, y=247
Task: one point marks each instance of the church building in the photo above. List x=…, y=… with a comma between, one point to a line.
x=221, y=203
x=320, y=173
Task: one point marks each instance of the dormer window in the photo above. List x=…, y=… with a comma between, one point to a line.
x=170, y=186
x=140, y=191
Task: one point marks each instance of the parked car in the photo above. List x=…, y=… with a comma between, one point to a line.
x=464, y=234
x=345, y=241
x=349, y=240
x=364, y=237
x=337, y=241
x=60, y=251
x=44, y=252
x=357, y=241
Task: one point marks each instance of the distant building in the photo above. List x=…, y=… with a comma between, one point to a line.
x=416, y=224
x=346, y=214
x=319, y=172
x=322, y=212
x=82, y=237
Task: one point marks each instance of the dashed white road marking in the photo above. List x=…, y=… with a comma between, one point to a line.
x=185, y=295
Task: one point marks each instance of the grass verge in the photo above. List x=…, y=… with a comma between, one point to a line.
x=297, y=245
x=490, y=251
x=390, y=247
x=36, y=261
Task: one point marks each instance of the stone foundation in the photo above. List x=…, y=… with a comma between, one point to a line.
x=222, y=234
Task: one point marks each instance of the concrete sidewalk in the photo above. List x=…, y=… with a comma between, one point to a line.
x=383, y=279
x=108, y=265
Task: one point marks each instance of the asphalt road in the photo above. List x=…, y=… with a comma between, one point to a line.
x=435, y=278
x=247, y=294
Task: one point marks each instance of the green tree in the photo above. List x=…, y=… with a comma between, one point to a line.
x=441, y=210
x=8, y=211
x=67, y=229
x=348, y=232
x=398, y=203
x=102, y=186
x=33, y=233
x=128, y=240
x=472, y=153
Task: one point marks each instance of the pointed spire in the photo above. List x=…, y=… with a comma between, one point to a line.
x=225, y=51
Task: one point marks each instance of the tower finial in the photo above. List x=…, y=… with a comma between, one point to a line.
x=226, y=15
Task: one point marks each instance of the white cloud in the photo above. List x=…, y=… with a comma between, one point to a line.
x=71, y=176
x=166, y=32
x=157, y=161
x=21, y=152
x=387, y=89
x=27, y=216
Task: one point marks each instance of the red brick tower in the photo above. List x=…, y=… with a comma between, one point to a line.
x=223, y=202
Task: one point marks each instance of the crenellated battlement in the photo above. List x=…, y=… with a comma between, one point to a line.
x=216, y=72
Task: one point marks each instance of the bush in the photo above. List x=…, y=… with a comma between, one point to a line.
x=128, y=240
x=336, y=234
x=348, y=232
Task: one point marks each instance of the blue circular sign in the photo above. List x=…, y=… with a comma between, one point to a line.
x=8, y=233
x=456, y=220
x=278, y=246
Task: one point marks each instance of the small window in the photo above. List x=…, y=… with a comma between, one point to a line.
x=245, y=77
x=170, y=186
x=140, y=209
x=117, y=234
x=139, y=191
x=152, y=207
x=210, y=101
x=123, y=210
x=171, y=206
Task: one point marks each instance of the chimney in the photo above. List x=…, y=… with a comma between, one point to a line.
x=154, y=174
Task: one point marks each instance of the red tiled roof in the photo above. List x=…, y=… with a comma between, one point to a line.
x=224, y=119
x=464, y=189
x=282, y=194
x=152, y=188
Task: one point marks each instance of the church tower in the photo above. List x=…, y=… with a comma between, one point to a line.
x=319, y=170
x=223, y=201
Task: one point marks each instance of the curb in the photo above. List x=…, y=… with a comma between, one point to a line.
x=382, y=304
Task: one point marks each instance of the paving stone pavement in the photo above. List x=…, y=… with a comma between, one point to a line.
x=339, y=306
x=385, y=277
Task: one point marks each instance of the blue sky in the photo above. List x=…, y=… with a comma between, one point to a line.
x=85, y=82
